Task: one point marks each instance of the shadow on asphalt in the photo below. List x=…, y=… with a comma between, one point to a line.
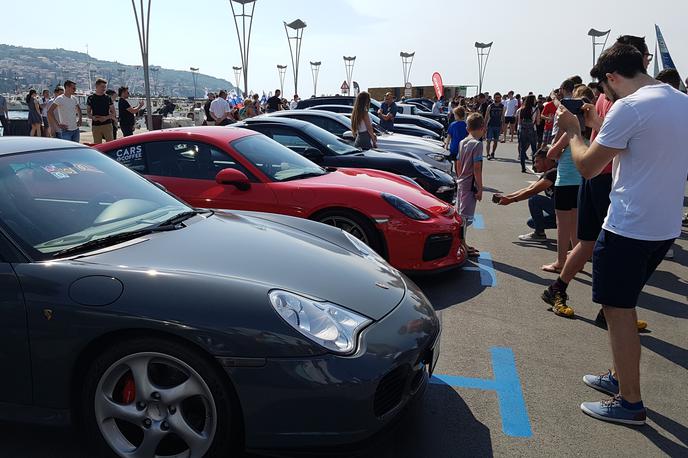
x=663, y=305
x=441, y=426
x=673, y=353
x=522, y=274
x=666, y=445
x=451, y=288
x=549, y=245
x=31, y=441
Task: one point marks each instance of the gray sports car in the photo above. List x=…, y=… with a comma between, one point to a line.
x=165, y=330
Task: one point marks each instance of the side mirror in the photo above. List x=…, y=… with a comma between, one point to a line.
x=233, y=177
x=314, y=155
x=348, y=135
x=160, y=186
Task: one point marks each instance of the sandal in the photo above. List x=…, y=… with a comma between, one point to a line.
x=551, y=269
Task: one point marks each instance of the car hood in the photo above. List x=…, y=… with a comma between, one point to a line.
x=378, y=182
x=434, y=145
x=276, y=251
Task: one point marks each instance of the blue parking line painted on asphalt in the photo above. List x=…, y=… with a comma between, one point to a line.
x=507, y=384
x=488, y=276
x=478, y=221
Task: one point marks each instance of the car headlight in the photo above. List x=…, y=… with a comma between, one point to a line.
x=423, y=170
x=328, y=325
x=406, y=208
x=438, y=157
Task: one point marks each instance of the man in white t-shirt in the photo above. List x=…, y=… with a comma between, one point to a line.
x=293, y=105
x=643, y=134
x=220, y=109
x=65, y=113
x=510, y=108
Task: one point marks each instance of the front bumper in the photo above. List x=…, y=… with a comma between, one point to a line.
x=429, y=246
x=333, y=400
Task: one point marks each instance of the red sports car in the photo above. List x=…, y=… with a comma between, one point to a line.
x=237, y=169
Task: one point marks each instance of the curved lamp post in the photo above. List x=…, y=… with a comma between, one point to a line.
x=142, y=17
x=315, y=71
x=483, y=51
x=596, y=36
x=349, y=65
x=244, y=32
x=297, y=27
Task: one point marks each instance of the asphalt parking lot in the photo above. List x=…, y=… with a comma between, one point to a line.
x=508, y=382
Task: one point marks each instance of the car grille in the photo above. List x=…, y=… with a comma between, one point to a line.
x=437, y=246
x=390, y=391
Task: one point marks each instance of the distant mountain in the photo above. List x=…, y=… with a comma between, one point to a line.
x=24, y=68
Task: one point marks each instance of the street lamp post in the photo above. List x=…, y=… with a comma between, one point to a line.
x=243, y=33
x=349, y=65
x=142, y=17
x=282, y=71
x=483, y=51
x=298, y=27
x=596, y=36
x=406, y=63
x=237, y=78
x=194, y=75
x=315, y=70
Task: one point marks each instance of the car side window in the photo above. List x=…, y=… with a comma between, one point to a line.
x=132, y=157
x=184, y=159
x=180, y=159
x=220, y=160
x=290, y=139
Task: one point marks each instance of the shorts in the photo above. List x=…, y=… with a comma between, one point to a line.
x=493, y=132
x=566, y=197
x=547, y=136
x=621, y=266
x=466, y=201
x=102, y=132
x=509, y=120
x=46, y=124
x=593, y=204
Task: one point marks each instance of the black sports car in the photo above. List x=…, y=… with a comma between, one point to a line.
x=424, y=149
x=416, y=126
x=169, y=331
x=326, y=149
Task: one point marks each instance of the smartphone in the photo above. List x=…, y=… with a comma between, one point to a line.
x=496, y=198
x=573, y=105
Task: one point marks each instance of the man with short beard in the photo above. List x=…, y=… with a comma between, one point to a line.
x=643, y=135
x=593, y=203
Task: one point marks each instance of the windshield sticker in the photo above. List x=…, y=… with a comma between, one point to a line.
x=59, y=171
x=86, y=168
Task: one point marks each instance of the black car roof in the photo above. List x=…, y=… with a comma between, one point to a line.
x=13, y=145
x=264, y=119
x=329, y=114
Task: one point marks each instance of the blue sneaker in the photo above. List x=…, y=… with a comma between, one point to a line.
x=602, y=383
x=613, y=411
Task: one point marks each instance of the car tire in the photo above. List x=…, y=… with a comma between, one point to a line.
x=205, y=405
x=356, y=224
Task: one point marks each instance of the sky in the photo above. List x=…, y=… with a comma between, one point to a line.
x=537, y=43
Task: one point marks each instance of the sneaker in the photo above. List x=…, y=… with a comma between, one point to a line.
x=601, y=321
x=613, y=411
x=557, y=300
x=602, y=383
x=532, y=237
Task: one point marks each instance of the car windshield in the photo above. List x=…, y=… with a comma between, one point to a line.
x=331, y=141
x=52, y=201
x=278, y=162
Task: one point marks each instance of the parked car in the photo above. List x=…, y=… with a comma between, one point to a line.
x=161, y=329
x=423, y=101
x=427, y=150
x=327, y=150
x=424, y=109
x=403, y=124
x=242, y=170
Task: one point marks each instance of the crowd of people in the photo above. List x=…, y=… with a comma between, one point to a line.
x=606, y=152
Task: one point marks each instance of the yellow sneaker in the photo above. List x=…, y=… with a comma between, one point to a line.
x=557, y=300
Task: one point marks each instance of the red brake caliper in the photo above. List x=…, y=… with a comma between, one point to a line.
x=128, y=390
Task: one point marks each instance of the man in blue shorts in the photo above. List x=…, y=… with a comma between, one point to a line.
x=643, y=134
x=495, y=120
